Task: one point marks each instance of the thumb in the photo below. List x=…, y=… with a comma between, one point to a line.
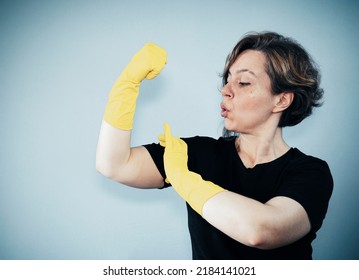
x=167, y=135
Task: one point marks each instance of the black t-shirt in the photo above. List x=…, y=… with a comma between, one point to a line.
x=303, y=178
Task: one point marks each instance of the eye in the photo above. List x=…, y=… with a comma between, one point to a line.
x=243, y=84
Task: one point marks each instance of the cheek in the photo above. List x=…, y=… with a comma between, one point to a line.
x=247, y=102
x=253, y=107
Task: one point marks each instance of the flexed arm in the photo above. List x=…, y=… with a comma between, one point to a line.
x=114, y=156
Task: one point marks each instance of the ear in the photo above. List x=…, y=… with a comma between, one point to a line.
x=283, y=101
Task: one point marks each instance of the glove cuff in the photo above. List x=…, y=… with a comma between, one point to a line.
x=197, y=191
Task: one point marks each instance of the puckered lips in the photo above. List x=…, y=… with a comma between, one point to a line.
x=224, y=110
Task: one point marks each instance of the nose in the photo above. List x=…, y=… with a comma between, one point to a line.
x=226, y=91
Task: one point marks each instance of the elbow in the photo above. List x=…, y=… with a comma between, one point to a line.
x=260, y=237
x=103, y=170
x=107, y=171
x=256, y=240
x=262, y=242
x=114, y=172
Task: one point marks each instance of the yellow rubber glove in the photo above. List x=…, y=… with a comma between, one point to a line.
x=189, y=185
x=146, y=63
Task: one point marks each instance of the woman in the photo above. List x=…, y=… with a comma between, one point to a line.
x=249, y=195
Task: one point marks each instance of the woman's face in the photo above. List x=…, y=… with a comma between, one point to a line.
x=248, y=102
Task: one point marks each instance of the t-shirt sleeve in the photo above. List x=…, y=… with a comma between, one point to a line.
x=156, y=151
x=310, y=183
x=198, y=156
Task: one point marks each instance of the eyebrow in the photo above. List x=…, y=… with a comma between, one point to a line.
x=243, y=70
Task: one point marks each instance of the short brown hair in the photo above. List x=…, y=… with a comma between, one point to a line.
x=290, y=69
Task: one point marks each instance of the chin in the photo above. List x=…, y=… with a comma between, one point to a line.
x=232, y=128
x=229, y=125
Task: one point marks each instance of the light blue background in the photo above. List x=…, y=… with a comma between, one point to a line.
x=58, y=61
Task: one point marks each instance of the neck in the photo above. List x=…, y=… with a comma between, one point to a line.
x=257, y=149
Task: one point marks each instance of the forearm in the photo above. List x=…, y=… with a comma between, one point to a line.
x=273, y=224
x=237, y=216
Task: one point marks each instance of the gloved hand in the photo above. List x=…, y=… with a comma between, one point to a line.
x=189, y=185
x=146, y=63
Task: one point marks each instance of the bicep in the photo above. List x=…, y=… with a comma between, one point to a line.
x=116, y=160
x=140, y=171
